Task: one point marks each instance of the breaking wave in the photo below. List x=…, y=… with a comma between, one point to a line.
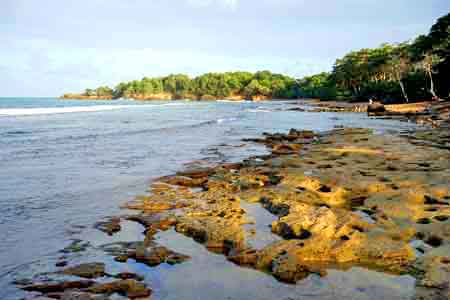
x=57, y=110
x=73, y=109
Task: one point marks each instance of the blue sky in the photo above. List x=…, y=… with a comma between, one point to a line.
x=55, y=46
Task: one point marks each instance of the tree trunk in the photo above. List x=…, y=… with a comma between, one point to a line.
x=433, y=93
x=403, y=90
x=355, y=91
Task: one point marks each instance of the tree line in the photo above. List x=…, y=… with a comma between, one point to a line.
x=414, y=70
x=207, y=86
x=410, y=71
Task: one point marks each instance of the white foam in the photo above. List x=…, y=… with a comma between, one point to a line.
x=232, y=101
x=220, y=121
x=169, y=104
x=256, y=110
x=58, y=110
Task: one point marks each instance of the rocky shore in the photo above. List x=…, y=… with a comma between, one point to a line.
x=434, y=113
x=343, y=198
x=84, y=97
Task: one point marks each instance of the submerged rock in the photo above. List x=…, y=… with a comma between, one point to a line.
x=76, y=246
x=282, y=149
x=376, y=109
x=156, y=255
x=433, y=272
x=246, y=257
x=76, y=295
x=88, y=270
x=341, y=198
x=129, y=288
x=110, y=226
x=49, y=287
x=217, y=234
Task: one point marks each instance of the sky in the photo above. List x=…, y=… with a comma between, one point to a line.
x=49, y=47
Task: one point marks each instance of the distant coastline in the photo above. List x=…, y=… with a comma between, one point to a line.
x=84, y=97
x=168, y=96
x=392, y=73
x=262, y=85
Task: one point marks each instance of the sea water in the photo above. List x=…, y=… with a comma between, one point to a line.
x=65, y=164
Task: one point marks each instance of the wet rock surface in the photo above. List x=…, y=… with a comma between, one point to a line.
x=89, y=270
x=109, y=226
x=128, y=287
x=339, y=199
x=127, y=284
x=155, y=255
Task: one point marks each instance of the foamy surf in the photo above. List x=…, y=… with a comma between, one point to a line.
x=232, y=101
x=257, y=110
x=58, y=110
x=225, y=120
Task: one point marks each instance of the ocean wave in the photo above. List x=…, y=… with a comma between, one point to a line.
x=58, y=110
x=169, y=104
x=225, y=120
x=76, y=109
x=256, y=110
x=126, y=131
x=232, y=101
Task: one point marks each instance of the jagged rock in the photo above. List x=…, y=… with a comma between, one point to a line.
x=196, y=173
x=283, y=149
x=217, y=233
x=121, y=258
x=433, y=272
x=129, y=275
x=49, y=287
x=76, y=295
x=376, y=109
x=351, y=198
x=110, y=226
x=88, y=270
x=306, y=220
x=76, y=246
x=62, y=263
x=184, y=181
x=156, y=255
x=303, y=134
x=156, y=221
x=372, y=249
x=129, y=288
x=246, y=257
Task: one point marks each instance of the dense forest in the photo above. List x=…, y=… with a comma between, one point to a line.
x=407, y=71
x=263, y=84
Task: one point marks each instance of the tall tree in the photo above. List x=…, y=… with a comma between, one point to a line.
x=427, y=64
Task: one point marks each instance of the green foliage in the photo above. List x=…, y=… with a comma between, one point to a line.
x=212, y=85
x=89, y=92
x=389, y=72
x=103, y=91
x=321, y=86
x=417, y=70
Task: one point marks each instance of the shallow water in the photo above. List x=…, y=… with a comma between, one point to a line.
x=261, y=220
x=64, y=166
x=211, y=276
x=208, y=275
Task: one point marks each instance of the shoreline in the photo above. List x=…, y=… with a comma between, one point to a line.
x=325, y=216
x=317, y=104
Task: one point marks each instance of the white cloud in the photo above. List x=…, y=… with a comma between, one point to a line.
x=43, y=68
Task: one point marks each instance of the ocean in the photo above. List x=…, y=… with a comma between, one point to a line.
x=64, y=165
